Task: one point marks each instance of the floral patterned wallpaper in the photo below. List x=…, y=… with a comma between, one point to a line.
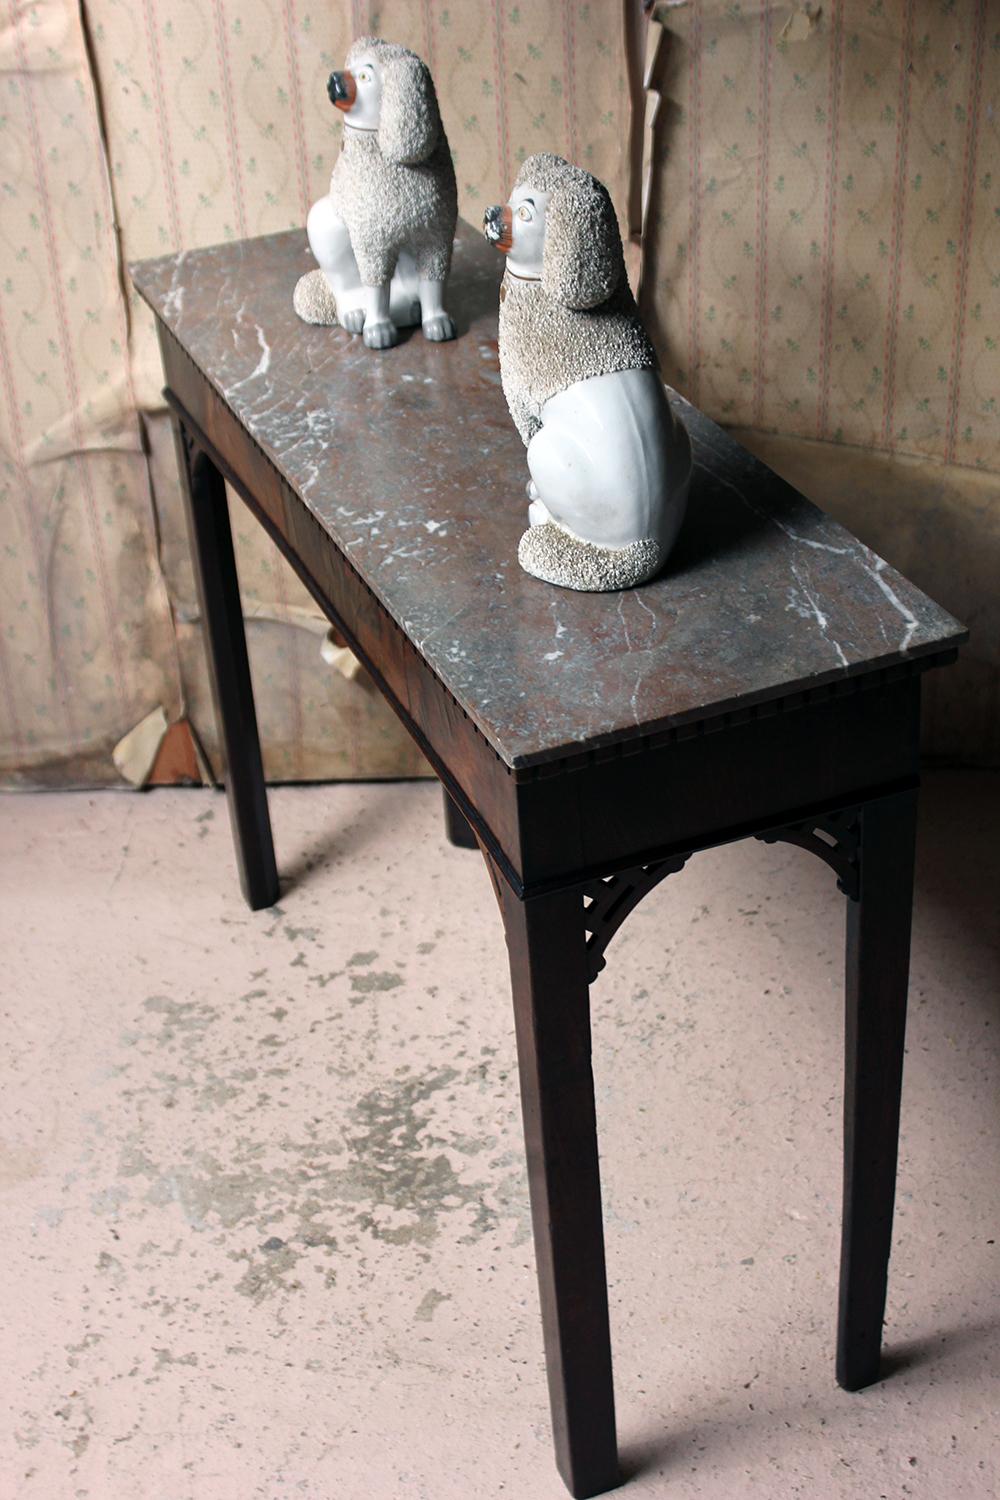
x=821, y=253
x=187, y=123
x=821, y=263
x=86, y=645
x=824, y=229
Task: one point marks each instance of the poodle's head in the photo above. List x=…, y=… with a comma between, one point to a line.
x=559, y=227
x=388, y=90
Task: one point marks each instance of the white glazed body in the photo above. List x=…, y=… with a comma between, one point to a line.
x=383, y=235
x=330, y=243
x=610, y=463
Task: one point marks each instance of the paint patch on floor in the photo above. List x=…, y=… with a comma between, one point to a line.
x=265, y=1228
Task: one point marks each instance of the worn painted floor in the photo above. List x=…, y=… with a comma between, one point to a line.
x=264, y=1226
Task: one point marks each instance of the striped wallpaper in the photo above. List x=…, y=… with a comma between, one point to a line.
x=823, y=238
x=206, y=120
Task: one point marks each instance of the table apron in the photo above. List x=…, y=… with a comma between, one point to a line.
x=724, y=783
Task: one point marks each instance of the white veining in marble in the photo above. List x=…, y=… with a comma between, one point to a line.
x=402, y=464
x=812, y=609
x=911, y=622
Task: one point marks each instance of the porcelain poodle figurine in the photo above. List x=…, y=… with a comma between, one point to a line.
x=383, y=234
x=609, y=462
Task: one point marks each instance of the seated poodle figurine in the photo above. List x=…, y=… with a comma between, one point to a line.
x=609, y=462
x=383, y=234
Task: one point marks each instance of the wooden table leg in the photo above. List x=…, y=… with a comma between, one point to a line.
x=878, y=962
x=456, y=825
x=545, y=939
x=229, y=669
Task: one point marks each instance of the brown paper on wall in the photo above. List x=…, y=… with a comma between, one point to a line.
x=86, y=643
x=208, y=121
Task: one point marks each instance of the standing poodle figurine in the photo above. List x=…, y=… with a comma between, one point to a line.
x=609, y=462
x=384, y=232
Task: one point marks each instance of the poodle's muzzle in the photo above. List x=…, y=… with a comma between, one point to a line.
x=342, y=90
x=498, y=226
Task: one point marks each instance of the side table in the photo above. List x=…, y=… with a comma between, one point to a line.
x=766, y=685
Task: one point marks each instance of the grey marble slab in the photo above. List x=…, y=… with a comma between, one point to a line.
x=409, y=460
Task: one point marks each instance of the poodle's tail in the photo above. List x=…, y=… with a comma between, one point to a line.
x=313, y=300
x=556, y=556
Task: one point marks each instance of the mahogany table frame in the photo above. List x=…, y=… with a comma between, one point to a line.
x=572, y=845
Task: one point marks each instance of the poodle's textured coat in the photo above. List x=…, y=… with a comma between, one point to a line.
x=577, y=322
x=394, y=187
x=581, y=319
x=556, y=556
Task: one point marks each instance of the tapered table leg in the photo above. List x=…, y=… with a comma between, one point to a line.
x=878, y=962
x=545, y=940
x=229, y=670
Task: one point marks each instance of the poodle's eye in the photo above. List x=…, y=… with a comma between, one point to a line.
x=365, y=76
x=524, y=214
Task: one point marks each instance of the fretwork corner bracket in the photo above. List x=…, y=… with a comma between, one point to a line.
x=608, y=900
x=835, y=838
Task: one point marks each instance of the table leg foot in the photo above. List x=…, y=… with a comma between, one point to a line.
x=545, y=939
x=878, y=960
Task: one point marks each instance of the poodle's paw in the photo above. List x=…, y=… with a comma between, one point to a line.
x=313, y=300
x=538, y=514
x=438, y=328
x=354, y=319
x=380, y=333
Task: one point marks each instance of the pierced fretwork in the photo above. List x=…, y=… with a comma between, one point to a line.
x=835, y=838
x=609, y=900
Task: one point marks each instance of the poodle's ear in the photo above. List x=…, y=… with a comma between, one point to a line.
x=582, y=262
x=409, y=123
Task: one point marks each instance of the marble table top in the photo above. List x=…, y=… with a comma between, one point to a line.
x=409, y=460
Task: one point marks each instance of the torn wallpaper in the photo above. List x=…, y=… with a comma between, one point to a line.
x=131, y=130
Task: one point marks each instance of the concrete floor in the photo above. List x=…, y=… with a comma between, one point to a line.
x=265, y=1229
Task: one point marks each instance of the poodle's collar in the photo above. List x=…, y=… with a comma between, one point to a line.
x=509, y=272
x=361, y=129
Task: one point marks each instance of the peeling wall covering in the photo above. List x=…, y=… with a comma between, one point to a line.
x=185, y=125
x=821, y=262
x=870, y=319
x=86, y=645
